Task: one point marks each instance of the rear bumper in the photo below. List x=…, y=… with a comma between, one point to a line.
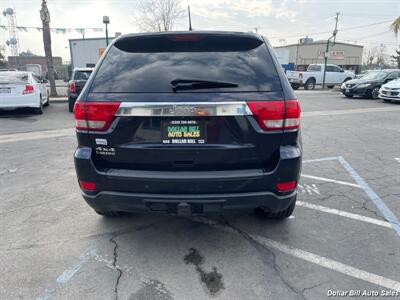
x=31, y=100
x=204, y=192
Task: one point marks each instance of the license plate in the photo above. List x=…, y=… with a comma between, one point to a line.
x=347, y=91
x=183, y=132
x=5, y=91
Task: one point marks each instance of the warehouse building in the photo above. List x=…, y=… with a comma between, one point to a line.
x=86, y=52
x=299, y=56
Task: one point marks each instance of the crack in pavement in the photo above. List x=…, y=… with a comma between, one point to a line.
x=312, y=287
x=261, y=249
x=114, y=264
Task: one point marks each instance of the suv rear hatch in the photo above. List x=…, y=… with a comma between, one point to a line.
x=186, y=102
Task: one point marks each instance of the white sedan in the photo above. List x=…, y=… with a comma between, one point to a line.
x=390, y=91
x=22, y=89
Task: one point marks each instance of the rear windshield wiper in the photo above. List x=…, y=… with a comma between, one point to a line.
x=193, y=84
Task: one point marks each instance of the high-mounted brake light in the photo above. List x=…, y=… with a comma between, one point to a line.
x=72, y=87
x=96, y=116
x=276, y=115
x=186, y=37
x=29, y=89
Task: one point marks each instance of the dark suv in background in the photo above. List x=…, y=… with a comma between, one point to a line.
x=188, y=123
x=78, y=79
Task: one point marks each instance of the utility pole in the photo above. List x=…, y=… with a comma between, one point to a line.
x=327, y=47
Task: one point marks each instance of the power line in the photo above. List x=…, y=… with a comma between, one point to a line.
x=325, y=32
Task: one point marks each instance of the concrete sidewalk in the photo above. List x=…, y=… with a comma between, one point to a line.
x=58, y=99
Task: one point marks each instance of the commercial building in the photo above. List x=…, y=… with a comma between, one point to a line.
x=86, y=52
x=19, y=62
x=299, y=56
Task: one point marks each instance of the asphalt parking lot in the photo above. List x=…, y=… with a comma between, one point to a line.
x=344, y=235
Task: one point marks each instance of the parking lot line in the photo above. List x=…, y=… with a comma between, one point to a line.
x=331, y=180
x=386, y=212
x=343, y=214
x=348, y=111
x=329, y=264
x=16, y=137
x=310, y=257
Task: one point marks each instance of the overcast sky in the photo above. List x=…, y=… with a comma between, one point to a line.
x=281, y=21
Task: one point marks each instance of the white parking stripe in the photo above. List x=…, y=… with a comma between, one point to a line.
x=344, y=214
x=348, y=111
x=331, y=180
x=310, y=257
x=330, y=264
x=16, y=137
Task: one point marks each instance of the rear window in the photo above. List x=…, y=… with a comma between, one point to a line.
x=12, y=77
x=82, y=75
x=149, y=64
x=314, y=68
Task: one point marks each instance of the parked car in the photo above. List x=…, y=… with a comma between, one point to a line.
x=390, y=91
x=75, y=85
x=363, y=73
x=188, y=123
x=369, y=85
x=334, y=75
x=22, y=89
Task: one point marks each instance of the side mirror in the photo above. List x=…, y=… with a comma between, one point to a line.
x=342, y=71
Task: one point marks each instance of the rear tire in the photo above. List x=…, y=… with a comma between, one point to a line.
x=310, y=84
x=47, y=102
x=109, y=213
x=330, y=86
x=38, y=110
x=279, y=215
x=295, y=86
x=71, y=105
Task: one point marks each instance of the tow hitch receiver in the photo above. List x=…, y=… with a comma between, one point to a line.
x=184, y=209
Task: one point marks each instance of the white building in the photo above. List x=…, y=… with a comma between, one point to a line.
x=306, y=52
x=86, y=52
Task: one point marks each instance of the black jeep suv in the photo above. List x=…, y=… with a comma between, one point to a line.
x=188, y=123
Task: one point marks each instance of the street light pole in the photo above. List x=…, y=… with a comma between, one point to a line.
x=106, y=20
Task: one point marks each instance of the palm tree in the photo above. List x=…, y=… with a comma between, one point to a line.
x=395, y=26
x=45, y=16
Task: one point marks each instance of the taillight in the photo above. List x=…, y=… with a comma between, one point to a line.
x=72, y=87
x=276, y=115
x=286, y=186
x=96, y=116
x=29, y=89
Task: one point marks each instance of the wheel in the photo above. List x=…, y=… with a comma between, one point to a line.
x=71, y=105
x=295, y=86
x=310, y=84
x=374, y=93
x=47, y=102
x=330, y=86
x=280, y=215
x=39, y=110
x=349, y=96
x=109, y=213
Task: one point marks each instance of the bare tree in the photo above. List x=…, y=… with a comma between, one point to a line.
x=45, y=17
x=370, y=55
x=158, y=15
